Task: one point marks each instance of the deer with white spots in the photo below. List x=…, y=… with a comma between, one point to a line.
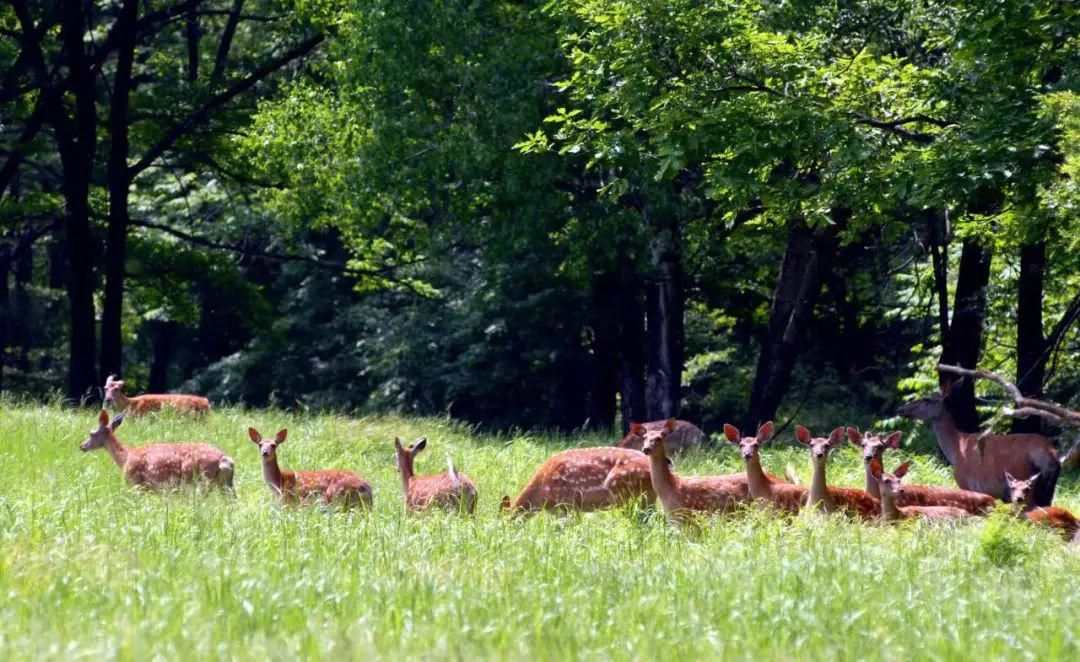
x=763, y=487
x=335, y=486
x=1022, y=494
x=452, y=490
x=821, y=494
x=143, y=404
x=158, y=465
x=891, y=489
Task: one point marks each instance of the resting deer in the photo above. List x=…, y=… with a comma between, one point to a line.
x=334, y=486
x=153, y=402
x=833, y=499
x=983, y=470
x=891, y=489
x=873, y=447
x=680, y=494
x=762, y=487
x=451, y=490
x=155, y=465
x=686, y=434
x=1022, y=493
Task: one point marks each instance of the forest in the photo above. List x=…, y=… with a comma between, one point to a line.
x=563, y=214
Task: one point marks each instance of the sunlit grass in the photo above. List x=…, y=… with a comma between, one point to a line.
x=90, y=567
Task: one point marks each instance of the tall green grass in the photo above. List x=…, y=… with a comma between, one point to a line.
x=92, y=568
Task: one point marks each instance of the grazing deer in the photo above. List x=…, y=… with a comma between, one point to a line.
x=833, y=499
x=891, y=489
x=156, y=465
x=680, y=494
x=686, y=434
x=451, y=490
x=873, y=447
x=762, y=487
x=982, y=470
x=153, y=402
x=1022, y=493
x=335, y=486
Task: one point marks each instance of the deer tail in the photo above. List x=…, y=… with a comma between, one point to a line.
x=452, y=471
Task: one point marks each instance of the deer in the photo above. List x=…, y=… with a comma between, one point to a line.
x=686, y=435
x=144, y=404
x=979, y=461
x=874, y=447
x=891, y=489
x=451, y=490
x=159, y=464
x=1022, y=495
x=345, y=488
x=820, y=494
x=764, y=489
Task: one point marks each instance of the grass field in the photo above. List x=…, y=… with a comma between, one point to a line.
x=92, y=568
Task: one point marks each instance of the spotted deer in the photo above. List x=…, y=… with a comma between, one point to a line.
x=821, y=494
x=451, y=490
x=983, y=470
x=763, y=489
x=158, y=465
x=1022, y=494
x=873, y=447
x=144, y=404
x=339, y=487
x=680, y=495
x=891, y=488
x=686, y=435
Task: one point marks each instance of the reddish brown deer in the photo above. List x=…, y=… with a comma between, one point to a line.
x=891, y=489
x=1022, y=493
x=143, y=404
x=340, y=487
x=451, y=490
x=982, y=470
x=156, y=465
x=873, y=447
x=681, y=494
x=686, y=435
x=762, y=487
x=821, y=494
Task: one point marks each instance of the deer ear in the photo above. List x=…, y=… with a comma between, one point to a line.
x=116, y=422
x=893, y=440
x=637, y=428
x=802, y=435
x=765, y=432
x=670, y=463
x=1034, y=477
x=397, y=444
x=254, y=435
x=670, y=424
x=103, y=418
x=836, y=438
x=279, y=438
x=855, y=436
x=875, y=468
x=732, y=433
x=420, y=444
x=902, y=470
x=1009, y=480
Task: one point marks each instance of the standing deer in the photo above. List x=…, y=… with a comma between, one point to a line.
x=1022, y=493
x=156, y=465
x=982, y=470
x=143, y=404
x=833, y=499
x=891, y=489
x=451, y=490
x=873, y=447
x=334, y=486
x=686, y=435
x=680, y=494
x=762, y=487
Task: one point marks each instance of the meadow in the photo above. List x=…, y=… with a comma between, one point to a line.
x=90, y=568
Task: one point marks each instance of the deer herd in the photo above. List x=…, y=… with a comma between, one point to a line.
x=1019, y=469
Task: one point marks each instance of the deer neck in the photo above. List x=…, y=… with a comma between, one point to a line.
x=948, y=435
x=818, y=492
x=873, y=488
x=756, y=481
x=406, y=472
x=272, y=473
x=664, y=482
x=888, y=506
x=121, y=400
x=117, y=451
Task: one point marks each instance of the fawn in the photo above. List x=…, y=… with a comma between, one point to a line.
x=982, y=470
x=1022, y=493
x=143, y=404
x=874, y=447
x=891, y=489
x=762, y=487
x=686, y=434
x=451, y=490
x=335, y=486
x=833, y=499
x=680, y=494
x=155, y=465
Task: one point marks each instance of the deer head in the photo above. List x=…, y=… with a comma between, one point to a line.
x=99, y=436
x=652, y=438
x=268, y=447
x=112, y=387
x=890, y=482
x=819, y=448
x=406, y=455
x=748, y=446
x=1020, y=491
x=873, y=446
x=932, y=407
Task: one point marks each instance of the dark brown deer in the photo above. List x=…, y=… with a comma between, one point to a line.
x=686, y=435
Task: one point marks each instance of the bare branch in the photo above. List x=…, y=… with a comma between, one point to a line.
x=1024, y=404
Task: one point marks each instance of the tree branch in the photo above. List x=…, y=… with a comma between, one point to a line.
x=1023, y=403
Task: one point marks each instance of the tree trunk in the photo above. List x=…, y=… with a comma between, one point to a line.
x=192, y=32
x=965, y=331
x=5, y=308
x=119, y=185
x=664, y=331
x=939, y=253
x=604, y=371
x=164, y=334
x=1031, y=347
x=631, y=343
x=20, y=332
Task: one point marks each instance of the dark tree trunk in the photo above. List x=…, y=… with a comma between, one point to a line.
x=5, y=308
x=631, y=344
x=664, y=330
x=119, y=185
x=965, y=331
x=164, y=334
x=604, y=371
x=937, y=240
x=1031, y=347
x=192, y=32
x=19, y=329
x=221, y=60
